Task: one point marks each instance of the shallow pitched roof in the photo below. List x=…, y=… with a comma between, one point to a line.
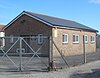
x=1, y=28
x=61, y=22
x=54, y=21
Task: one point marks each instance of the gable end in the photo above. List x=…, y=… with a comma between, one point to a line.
x=27, y=15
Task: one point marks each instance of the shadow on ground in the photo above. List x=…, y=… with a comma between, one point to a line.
x=94, y=74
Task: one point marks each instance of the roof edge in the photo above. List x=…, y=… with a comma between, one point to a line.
x=75, y=28
x=22, y=13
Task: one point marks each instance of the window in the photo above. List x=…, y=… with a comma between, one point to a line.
x=75, y=38
x=85, y=38
x=65, y=38
x=92, y=38
x=40, y=38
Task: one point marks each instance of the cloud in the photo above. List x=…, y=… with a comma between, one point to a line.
x=7, y=5
x=3, y=6
x=95, y=1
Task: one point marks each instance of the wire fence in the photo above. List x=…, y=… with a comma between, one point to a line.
x=33, y=53
x=24, y=53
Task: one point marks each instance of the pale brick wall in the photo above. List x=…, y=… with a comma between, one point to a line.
x=71, y=48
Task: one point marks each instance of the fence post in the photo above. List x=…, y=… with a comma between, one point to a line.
x=50, y=55
x=84, y=53
x=20, y=51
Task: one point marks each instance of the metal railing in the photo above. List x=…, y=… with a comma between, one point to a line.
x=23, y=59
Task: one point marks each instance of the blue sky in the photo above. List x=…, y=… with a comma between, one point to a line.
x=86, y=12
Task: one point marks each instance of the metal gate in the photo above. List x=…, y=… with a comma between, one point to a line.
x=24, y=53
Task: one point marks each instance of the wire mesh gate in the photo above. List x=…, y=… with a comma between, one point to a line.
x=24, y=53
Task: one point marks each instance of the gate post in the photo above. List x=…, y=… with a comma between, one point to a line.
x=84, y=52
x=20, y=51
x=50, y=55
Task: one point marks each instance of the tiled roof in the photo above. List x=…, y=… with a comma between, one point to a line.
x=1, y=28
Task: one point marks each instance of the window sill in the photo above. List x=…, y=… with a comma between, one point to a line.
x=75, y=42
x=92, y=42
x=64, y=42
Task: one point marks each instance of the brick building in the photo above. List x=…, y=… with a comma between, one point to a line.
x=2, y=34
x=67, y=34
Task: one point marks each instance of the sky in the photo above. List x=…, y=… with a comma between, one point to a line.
x=86, y=12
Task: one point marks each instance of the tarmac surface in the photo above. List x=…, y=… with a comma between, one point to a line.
x=89, y=70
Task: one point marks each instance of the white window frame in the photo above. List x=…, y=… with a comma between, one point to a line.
x=64, y=40
x=85, y=38
x=75, y=38
x=40, y=38
x=92, y=40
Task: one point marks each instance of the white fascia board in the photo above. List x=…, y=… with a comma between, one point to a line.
x=67, y=28
x=28, y=15
x=13, y=20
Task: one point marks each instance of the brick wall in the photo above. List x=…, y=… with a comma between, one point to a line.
x=71, y=48
x=27, y=26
